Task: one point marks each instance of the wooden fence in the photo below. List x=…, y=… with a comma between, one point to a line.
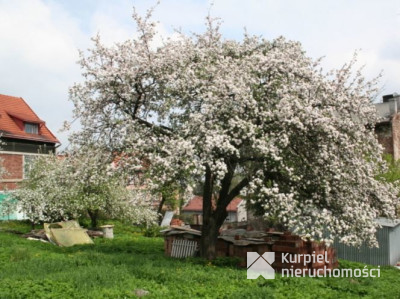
x=183, y=248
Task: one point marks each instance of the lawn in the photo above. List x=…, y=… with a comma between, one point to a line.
x=116, y=268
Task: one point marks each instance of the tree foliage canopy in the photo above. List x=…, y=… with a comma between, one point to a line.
x=83, y=182
x=301, y=140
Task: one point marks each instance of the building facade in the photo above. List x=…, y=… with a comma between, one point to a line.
x=388, y=127
x=24, y=136
x=236, y=210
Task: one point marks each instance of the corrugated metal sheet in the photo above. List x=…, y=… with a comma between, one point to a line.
x=394, y=245
x=388, y=252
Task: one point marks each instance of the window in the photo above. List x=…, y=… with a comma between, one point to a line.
x=31, y=128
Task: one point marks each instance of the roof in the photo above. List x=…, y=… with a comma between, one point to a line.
x=196, y=204
x=14, y=112
x=388, y=222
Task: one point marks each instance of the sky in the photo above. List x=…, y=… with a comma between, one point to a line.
x=40, y=39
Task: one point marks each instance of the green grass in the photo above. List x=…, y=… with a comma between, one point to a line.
x=115, y=268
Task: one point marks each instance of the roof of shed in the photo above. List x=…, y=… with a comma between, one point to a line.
x=388, y=222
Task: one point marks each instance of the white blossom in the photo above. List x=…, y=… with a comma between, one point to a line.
x=79, y=183
x=302, y=140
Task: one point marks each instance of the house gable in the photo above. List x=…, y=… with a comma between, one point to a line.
x=16, y=115
x=24, y=135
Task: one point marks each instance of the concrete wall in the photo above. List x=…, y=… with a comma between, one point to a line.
x=388, y=128
x=242, y=212
x=396, y=136
x=232, y=217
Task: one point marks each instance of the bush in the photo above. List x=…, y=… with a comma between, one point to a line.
x=152, y=231
x=226, y=261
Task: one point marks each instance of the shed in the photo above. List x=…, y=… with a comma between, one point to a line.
x=388, y=253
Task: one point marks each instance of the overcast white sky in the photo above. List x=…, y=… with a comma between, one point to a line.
x=39, y=39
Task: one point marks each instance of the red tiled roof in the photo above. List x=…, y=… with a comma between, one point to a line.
x=196, y=204
x=13, y=113
x=233, y=205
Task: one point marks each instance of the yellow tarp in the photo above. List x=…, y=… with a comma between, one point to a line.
x=66, y=233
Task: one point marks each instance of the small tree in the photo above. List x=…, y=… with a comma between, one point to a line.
x=45, y=195
x=100, y=188
x=8, y=206
x=301, y=141
x=82, y=182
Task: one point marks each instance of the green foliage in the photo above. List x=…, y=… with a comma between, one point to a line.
x=226, y=261
x=187, y=218
x=22, y=226
x=83, y=182
x=20, y=254
x=170, y=194
x=27, y=288
x=152, y=231
x=116, y=268
x=7, y=207
x=392, y=175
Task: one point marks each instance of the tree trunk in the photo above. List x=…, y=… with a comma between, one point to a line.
x=209, y=237
x=213, y=219
x=159, y=210
x=93, y=217
x=210, y=232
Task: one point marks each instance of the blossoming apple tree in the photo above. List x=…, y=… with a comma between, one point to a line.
x=80, y=183
x=253, y=118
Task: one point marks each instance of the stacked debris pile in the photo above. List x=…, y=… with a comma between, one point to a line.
x=65, y=234
x=237, y=242
x=177, y=222
x=291, y=252
x=36, y=234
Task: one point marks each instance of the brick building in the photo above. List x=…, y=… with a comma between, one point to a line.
x=24, y=136
x=388, y=127
x=236, y=210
